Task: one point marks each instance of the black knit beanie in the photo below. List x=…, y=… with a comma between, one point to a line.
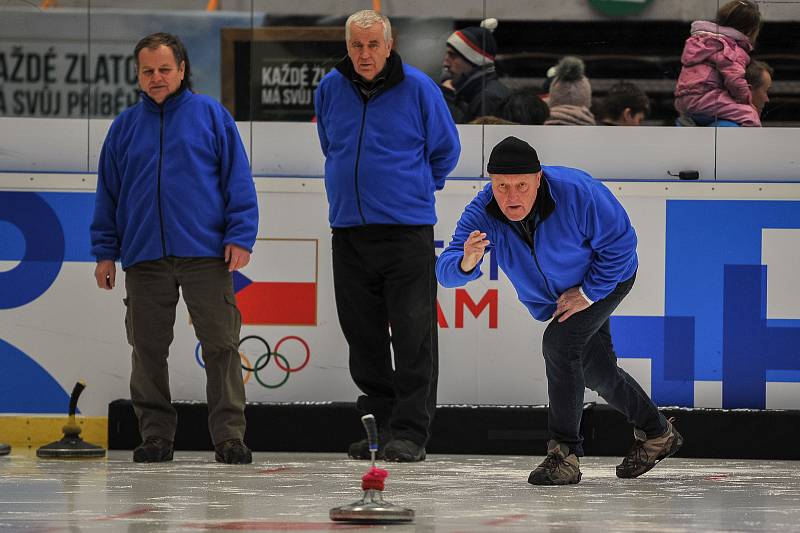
x=513, y=156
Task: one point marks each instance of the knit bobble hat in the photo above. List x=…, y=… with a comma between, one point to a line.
x=570, y=85
x=476, y=44
x=513, y=156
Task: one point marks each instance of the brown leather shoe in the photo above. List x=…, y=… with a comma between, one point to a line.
x=559, y=467
x=647, y=453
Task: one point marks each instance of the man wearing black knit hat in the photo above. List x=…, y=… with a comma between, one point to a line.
x=568, y=247
x=469, y=79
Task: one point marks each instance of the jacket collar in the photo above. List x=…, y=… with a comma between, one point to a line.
x=172, y=101
x=391, y=75
x=471, y=85
x=543, y=207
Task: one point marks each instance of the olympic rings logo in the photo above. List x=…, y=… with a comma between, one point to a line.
x=264, y=353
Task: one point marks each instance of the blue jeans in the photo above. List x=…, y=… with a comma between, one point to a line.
x=578, y=354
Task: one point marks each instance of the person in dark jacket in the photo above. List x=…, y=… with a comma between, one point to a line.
x=176, y=205
x=389, y=142
x=568, y=248
x=470, y=84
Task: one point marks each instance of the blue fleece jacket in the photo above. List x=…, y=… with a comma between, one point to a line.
x=173, y=180
x=581, y=236
x=384, y=157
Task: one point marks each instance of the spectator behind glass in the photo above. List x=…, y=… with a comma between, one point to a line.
x=570, y=95
x=625, y=105
x=712, y=84
x=491, y=120
x=759, y=78
x=469, y=80
x=524, y=107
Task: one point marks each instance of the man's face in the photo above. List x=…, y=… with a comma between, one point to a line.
x=760, y=96
x=368, y=50
x=516, y=193
x=159, y=74
x=455, y=66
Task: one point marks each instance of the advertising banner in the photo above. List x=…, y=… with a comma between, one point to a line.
x=713, y=320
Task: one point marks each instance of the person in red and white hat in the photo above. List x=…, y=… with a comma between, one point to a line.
x=469, y=79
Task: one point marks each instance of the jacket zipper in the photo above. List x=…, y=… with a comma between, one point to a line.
x=158, y=190
x=536, y=259
x=358, y=159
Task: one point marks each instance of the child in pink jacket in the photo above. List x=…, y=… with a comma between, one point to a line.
x=711, y=85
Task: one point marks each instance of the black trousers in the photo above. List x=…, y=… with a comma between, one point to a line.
x=385, y=287
x=578, y=354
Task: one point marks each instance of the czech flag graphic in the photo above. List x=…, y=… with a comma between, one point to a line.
x=279, y=285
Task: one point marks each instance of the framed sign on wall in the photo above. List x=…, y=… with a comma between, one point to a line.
x=270, y=74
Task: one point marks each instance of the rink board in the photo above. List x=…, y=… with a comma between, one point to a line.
x=713, y=320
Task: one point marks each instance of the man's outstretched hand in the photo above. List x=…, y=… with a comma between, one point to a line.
x=474, y=248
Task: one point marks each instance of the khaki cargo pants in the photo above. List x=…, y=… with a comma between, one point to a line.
x=152, y=296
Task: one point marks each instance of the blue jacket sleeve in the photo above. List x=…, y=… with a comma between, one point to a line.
x=610, y=234
x=443, y=145
x=318, y=110
x=448, y=265
x=238, y=189
x=103, y=230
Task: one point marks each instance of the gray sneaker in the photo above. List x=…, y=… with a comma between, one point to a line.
x=647, y=453
x=559, y=467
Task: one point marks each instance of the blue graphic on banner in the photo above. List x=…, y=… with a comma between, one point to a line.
x=26, y=387
x=74, y=212
x=714, y=278
x=40, y=256
x=750, y=346
x=669, y=343
x=240, y=281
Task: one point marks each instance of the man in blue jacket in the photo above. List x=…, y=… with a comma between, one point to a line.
x=176, y=205
x=389, y=142
x=568, y=247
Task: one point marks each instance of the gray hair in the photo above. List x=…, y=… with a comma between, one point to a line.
x=366, y=18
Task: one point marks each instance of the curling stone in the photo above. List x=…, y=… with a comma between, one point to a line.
x=372, y=508
x=71, y=446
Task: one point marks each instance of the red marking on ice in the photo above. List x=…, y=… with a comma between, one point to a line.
x=275, y=470
x=275, y=526
x=505, y=520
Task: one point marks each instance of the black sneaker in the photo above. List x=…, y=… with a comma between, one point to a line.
x=233, y=452
x=360, y=449
x=153, y=450
x=559, y=467
x=647, y=453
x=5, y=449
x=404, y=451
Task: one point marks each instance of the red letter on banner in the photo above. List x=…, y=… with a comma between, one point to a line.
x=463, y=299
x=440, y=315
